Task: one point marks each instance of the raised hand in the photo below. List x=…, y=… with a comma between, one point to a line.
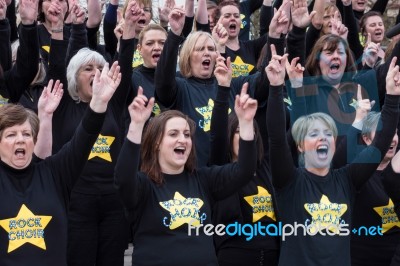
x=28, y=11
x=163, y=13
x=245, y=109
x=133, y=13
x=3, y=9
x=177, y=19
x=276, y=68
x=55, y=15
x=223, y=72
x=104, y=86
x=78, y=14
x=338, y=28
x=280, y=21
x=119, y=29
x=371, y=51
x=140, y=109
x=363, y=106
x=220, y=35
x=50, y=98
x=295, y=72
x=300, y=16
x=393, y=78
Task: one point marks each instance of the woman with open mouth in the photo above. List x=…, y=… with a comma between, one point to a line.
x=316, y=195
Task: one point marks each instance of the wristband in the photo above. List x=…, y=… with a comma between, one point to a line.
x=57, y=30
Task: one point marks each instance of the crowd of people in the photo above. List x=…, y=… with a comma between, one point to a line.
x=170, y=131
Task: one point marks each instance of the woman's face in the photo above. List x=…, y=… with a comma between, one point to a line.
x=393, y=146
x=61, y=5
x=202, y=58
x=359, y=5
x=374, y=26
x=333, y=64
x=230, y=19
x=327, y=21
x=85, y=80
x=175, y=146
x=16, y=146
x=144, y=20
x=151, y=47
x=318, y=146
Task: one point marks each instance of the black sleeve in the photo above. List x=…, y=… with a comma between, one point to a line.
x=219, y=139
x=131, y=188
x=312, y=37
x=5, y=45
x=225, y=180
x=266, y=14
x=57, y=67
x=110, y=40
x=164, y=77
x=380, y=6
x=187, y=27
x=12, y=18
x=391, y=182
x=92, y=37
x=203, y=27
x=296, y=43
x=20, y=76
x=254, y=5
x=277, y=4
x=368, y=160
x=68, y=163
x=352, y=38
x=77, y=41
x=282, y=166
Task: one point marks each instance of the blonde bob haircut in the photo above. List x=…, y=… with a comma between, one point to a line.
x=303, y=124
x=84, y=57
x=187, y=49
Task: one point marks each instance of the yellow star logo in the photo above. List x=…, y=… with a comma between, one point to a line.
x=46, y=48
x=101, y=148
x=240, y=68
x=25, y=228
x=183, y=210
x=137, y=59
x=326, y=214
x=242, y=16
x=156, y=109
x=261, y=203
x=206, y=112
x=389, y=217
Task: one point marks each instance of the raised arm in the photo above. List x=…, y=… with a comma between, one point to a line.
x=5, y=33
x=225, y=180
x=219, y=132
x=47, y=104
x=369, y=159
x=109, y=24
x=78, y=39
x=282, y=166
x=164, y=77
x=126, y=170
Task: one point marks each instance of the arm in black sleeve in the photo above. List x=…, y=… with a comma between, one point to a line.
x=352, y=38
x=20, y=76
x=312, y=36
x=126, y=51
x=225, y=180
x=282, y=166
x=203, y=27
x=69, y=162
x=266, y=14
x=57, y=67
x=296, y=43
x=219, y=139
x=92, y=37
x=368, y=160
x=77, y=41
x=380, y=6
x=109, y=24
x=391, y=182
x=254, y=5
x=188, y=27
x=131, y=188
x=164, y=77
x=12, y=18
x=5, y=45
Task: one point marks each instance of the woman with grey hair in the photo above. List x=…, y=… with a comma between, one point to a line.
x=97, y=232
x=316, y=199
